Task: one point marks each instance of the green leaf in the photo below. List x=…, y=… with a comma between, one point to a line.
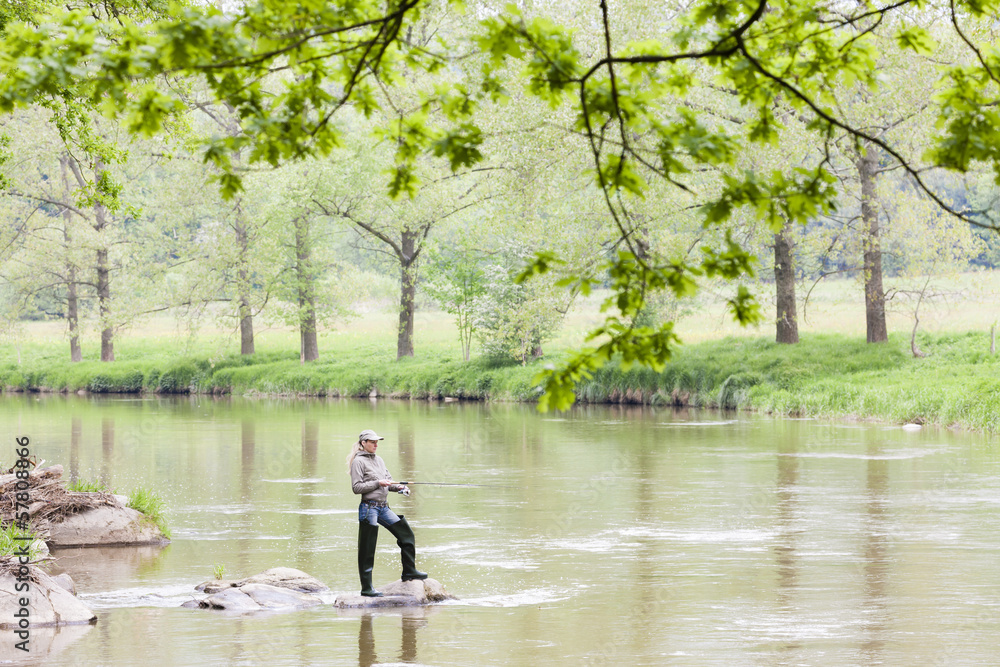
x=404, y=181
x=917, y=39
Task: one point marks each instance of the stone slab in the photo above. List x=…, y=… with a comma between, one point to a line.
x=49, y=604
x=105, y=525
x=358, y=601
x=282, y=577
x=399, y=594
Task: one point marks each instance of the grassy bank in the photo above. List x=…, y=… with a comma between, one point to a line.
x=957, y=384
x=278, y=373
x=832, y=375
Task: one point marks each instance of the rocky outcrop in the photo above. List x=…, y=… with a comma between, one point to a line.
x=105, y=526
x=399, y=594
x=255, y=597
x=66, y=582
x=48, y=602
x=277, y=588
x=75, y=518
x=282, y=577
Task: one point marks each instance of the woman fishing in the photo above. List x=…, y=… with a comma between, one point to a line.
x=371, y=479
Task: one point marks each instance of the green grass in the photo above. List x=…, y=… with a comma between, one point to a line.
x=831, y=373
x=87, y=486
x=151, y=505
x=11, y=545
x=957, y=384
x=140, y=499
x=356, y=373
x=827, y=375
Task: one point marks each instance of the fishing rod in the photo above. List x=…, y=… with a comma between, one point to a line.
x=484, y=486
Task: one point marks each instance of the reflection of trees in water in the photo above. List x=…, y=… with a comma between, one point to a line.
x=875, y=568
x=367, y=655
x=786, y=549
x=76, y=431
x=874, y=557
x=406, y=447
x=304, y=556
x=248, y=445
x=310, y=447
x=647, y=612
x=107, y=449
x=241, y=547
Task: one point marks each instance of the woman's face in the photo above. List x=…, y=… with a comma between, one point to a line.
x=370, y=446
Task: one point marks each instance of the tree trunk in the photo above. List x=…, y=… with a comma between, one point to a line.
x=72, y=302
x=246, y=323
x=72, y=318
x=874, y=293
x=103, y=275
x=465, y=332
x=916, y=321
x=308, y=345
x=784, y=281
x=243, y=288
x=104, y=299
x=408, y=294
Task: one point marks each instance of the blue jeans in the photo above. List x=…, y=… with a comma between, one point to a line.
x=376, y=515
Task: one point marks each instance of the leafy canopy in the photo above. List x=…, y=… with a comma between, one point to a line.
x=288, y=68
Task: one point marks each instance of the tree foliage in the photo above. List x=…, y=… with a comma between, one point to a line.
x=289, y=70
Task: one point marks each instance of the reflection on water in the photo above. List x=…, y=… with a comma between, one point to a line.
x=247, y=445
x=74, y=449
x=107, y=568
x=786, y=558
x=627, y=535
x=875, y=555
x=107, y=449
x=43, y=643
x=411, y=620
x=306, y=519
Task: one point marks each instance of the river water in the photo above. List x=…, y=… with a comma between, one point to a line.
x=630, y=536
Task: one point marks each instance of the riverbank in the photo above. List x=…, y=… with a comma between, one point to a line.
x=957, y=384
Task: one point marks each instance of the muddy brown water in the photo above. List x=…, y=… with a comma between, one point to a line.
x=630, y=536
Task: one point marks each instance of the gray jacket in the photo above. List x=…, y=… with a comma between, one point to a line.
x=366, y=470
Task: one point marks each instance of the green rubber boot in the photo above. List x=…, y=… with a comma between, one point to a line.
x=367, y=538
x=407, y=549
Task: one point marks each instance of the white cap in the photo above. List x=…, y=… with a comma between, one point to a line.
x=369, y=434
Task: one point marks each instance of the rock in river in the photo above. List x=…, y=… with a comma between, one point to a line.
x=104, y=526
x=277, y=588
x=282, y=577
x=66, y=518
x=399, y=594
x=49, y=603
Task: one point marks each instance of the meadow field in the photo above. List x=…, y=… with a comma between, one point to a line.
x=832, y=372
